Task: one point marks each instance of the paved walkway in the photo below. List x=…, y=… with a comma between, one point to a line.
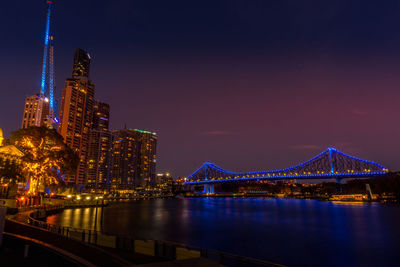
x=92, y=254
x=95, y=255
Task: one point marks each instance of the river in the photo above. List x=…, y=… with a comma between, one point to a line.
x=293, y=232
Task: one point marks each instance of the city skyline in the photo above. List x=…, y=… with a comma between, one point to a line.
x=267, y=107
x=135, y=132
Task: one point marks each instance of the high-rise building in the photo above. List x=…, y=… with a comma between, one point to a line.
x=101, y=116
x=124, y=159
x=36, y=111
x=76, y=112
x=99, y=153
x=98, y=160
x=147, y=158
x=81, y=65
x=39, y=108
x=133, y=159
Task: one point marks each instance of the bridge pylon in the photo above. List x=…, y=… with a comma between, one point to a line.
x=209, y=189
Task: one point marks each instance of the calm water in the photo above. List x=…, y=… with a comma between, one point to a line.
x=287, y=231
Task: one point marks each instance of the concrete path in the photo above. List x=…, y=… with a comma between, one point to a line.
x=94, y=255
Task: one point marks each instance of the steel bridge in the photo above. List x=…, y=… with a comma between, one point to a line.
x=330, y=164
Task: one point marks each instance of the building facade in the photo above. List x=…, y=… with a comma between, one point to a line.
x=10, y=166
x=76, y=113
x=99, y=153
x=124, y=160
x=133, y=159
x=98, y=160
x=36, y=111
x=101, y=116
x=147, y=158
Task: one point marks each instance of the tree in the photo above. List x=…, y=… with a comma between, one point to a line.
x=46, y=156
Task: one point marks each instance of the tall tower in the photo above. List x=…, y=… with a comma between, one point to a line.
x=39, y=108
x=76, y=113
x=133, y=161
x=98, y=159
x=124, y=160
x=47, y=84
x=147, y=154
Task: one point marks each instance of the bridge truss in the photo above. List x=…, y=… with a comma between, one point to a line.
x=329, y=164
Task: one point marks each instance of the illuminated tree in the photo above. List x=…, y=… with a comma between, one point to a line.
x=46, y=156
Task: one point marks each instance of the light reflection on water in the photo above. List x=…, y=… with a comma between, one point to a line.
x=82, y=218
x=288, y=231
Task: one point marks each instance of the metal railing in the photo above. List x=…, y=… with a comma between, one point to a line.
x=157, y=248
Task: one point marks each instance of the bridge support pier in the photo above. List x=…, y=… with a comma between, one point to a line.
x=209, y=189
x=339, y=181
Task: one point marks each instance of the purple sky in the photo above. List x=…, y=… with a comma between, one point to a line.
x=248, y=85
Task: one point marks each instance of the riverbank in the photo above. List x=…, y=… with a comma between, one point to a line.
x=362, y=198
x=127, y=250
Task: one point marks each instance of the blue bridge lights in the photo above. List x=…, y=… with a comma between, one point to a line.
x=331, y=163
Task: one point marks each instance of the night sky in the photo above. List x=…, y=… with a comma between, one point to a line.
x=248, y=85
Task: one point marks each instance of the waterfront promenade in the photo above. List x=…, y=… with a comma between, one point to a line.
x=82, y=248
x=82, y=253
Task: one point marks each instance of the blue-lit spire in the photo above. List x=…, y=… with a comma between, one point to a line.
x=48, y=81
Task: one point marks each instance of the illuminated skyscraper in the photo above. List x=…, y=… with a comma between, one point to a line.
x=147, y=154
x=39, y=108
x=133, y=159
x=124, y=159
x=101, y=116
x=98, y=159
x=76, y=113
x=81, y=65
